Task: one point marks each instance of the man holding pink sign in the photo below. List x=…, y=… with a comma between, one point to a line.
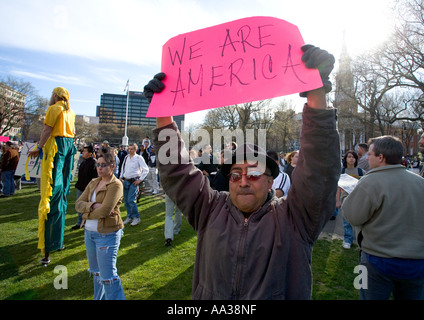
x=251, y=244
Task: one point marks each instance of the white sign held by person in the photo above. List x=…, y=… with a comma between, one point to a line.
x=34, y=164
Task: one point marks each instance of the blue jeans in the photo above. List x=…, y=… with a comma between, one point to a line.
x=348, y=232
x=171, y=226
x=102, y=250
x=380, y=286
x=130, y=200
x=7, y=179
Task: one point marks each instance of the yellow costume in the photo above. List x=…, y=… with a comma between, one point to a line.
x=56, y=168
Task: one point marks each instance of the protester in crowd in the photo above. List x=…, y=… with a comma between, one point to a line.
x=386, y=207
x=363, y=157
x=219, y=182
x=140, y=149
x=145, y=151
x=415, y=166
x=282, y=162
x=100, y=203
x=231, y=146
x=172, y=225
x=146, y=142
x=193, y=154
x=198, y=158
x=350, y=163
x=86, y=172
x=122, y=153
x=291, y=159
x=113, y=152
x=405, y=162
x=281, y=183
x=152, y=177
x=250, y=244
x=17, y=178
x=56, y=148
x=9, y=162
x=208, y=164
x=134, y=171
x=102, y=150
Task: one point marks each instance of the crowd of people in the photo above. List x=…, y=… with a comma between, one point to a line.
x=9, y=159
x=257, y=215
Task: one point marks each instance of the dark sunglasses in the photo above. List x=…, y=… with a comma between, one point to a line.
x=103, y=165
x=251, y=176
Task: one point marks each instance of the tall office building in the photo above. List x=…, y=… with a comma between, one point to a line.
x=112, y=109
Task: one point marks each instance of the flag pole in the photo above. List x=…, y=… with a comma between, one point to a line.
x=125, y=137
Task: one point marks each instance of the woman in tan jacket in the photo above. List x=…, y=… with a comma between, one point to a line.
x=99, y=204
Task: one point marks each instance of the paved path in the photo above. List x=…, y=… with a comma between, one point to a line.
x=333, y=229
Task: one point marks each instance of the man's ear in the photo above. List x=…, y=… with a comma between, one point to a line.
x=270, y=182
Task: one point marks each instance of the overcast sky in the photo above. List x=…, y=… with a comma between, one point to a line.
x=92, y=47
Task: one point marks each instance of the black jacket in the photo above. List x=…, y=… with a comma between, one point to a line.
x=86, y=172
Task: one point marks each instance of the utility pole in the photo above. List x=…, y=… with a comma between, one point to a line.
x=125, y=137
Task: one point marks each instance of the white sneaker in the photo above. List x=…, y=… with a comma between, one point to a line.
x=346, y=245
x=128, y=220
x=135, y=222
x=155, y=192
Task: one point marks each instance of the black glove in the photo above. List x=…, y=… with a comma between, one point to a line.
x=155, y=85
x=316, y=58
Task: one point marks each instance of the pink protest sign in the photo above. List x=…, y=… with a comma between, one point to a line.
x=240, y=61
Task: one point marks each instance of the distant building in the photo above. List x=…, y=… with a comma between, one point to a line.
x=350, y=128
x=12, y=104
x=88, y=119
x=352, y=119
x=112, y=109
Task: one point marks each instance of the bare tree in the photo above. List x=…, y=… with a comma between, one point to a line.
x=388, y=84
x=371, y=81
x=250, y=115
x=110, y=132
x=406, y=50
x=12, y=115
x=85, y=132
x=285, y=128
x=403, y=56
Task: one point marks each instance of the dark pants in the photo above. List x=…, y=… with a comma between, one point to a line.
x=380, y=286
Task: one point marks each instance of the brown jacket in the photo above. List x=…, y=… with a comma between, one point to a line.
x=110, y=196
x=9, y=160
x=267, y=256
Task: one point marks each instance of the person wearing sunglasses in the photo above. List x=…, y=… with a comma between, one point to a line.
x=100, y=205
x=250, y=243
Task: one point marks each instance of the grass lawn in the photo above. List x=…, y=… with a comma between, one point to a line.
x=148, y=269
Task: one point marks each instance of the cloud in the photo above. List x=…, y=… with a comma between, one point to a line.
x=132, y=31
x=128, y=30
x=44, y=76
